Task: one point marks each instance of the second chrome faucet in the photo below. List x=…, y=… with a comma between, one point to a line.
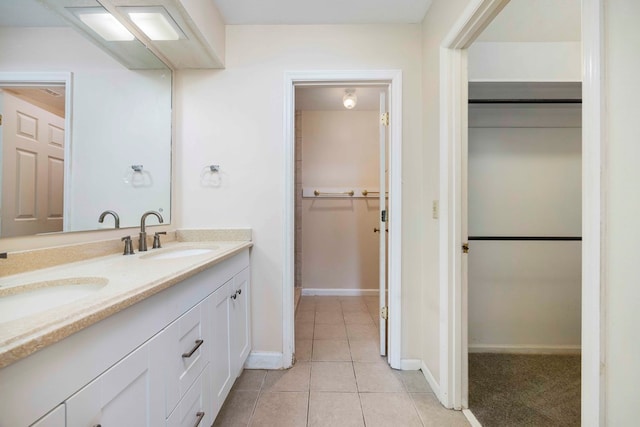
x=142, y=241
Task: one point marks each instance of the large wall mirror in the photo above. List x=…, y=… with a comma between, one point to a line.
x=80, y=133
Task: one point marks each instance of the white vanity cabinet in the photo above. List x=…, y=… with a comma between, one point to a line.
x=195, y=409
x=188, y=352
x=222, y=377
x=231, y=334
x=55, y=418
x=240, y=329
x=127, y=394
x=169, y=360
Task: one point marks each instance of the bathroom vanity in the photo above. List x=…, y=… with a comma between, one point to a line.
x=158, y=342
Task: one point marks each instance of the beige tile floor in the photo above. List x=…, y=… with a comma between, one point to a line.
x=338, y=378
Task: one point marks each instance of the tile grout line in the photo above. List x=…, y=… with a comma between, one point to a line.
x=415, y=408
x=255, y=404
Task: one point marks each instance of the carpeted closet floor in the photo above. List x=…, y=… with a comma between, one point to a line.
x=524, y=390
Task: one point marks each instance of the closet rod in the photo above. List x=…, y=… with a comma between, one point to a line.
x=528, y=238
x=525, y=101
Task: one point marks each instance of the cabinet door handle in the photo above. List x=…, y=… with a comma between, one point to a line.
x=239, y=291
x=200, y=416
x=193, y=350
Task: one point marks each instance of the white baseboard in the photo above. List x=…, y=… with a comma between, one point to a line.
x=525, y=349
x=410, y=364
x=430, y=379
x=339, y=292
x=264, y=360
x=471, y=418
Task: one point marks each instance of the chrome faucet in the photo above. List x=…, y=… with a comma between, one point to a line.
x=142, y=242
x=112, y=213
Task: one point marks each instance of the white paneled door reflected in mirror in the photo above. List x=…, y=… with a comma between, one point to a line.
x=81, y=133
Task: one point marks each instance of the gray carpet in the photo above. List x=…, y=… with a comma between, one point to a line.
x=524, y=390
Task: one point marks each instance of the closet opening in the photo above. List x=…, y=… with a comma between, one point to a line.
x=524, y=229
x=341, y=193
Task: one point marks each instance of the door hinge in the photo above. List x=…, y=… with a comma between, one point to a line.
x=384, y=119
x=465, y=248
x=384, y=313
x=383, y=216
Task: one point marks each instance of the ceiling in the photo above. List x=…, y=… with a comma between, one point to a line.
x=330, y=98
x=50, y=98
x=519, y=21
x=322, y=12
x=31, y=13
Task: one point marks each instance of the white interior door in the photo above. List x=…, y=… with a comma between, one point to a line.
x=32, y=169
x=384, y=122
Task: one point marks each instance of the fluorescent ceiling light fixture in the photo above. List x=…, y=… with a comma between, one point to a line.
x=349, y=100
x=155, y=22
x=104, y=24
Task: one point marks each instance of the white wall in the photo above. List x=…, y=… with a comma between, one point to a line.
x=524, y=180
x=340, y=150
x=233, y=117
x=531, y=61
x=119, y=118
x=622, y=269
x=439, y=19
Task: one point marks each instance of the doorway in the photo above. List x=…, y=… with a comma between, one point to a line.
x=34, y=141
x=454, y=82
x=390, y=81
x=341, y=180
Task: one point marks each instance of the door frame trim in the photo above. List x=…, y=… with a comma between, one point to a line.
x=392, y=78
x=453, y=131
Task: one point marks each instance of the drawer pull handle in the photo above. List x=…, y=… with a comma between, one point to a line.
x=193, y=350
x=200, y=416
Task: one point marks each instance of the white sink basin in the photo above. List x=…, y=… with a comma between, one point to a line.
x=179, y=253
x=24, y=300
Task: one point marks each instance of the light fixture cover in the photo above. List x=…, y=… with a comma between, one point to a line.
x=104, y=24
x=155, y=22
x=349, y=100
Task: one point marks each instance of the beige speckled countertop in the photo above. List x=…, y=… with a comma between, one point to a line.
x=129, y=279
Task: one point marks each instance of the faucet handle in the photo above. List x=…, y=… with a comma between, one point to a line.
x=128, y=245
x=156, y=239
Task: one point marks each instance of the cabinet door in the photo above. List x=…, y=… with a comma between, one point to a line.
x=221, y=374
x=195, y=408
x=240, y=327
x=189, y=343
x=54, y=418
x=129, y=394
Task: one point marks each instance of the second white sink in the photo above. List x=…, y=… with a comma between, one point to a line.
x=179, y=253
